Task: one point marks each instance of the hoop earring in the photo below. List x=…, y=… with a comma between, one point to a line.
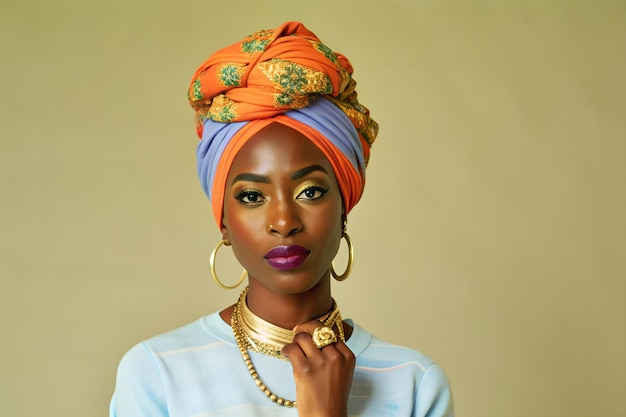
x=214, y=274
x=346, y=273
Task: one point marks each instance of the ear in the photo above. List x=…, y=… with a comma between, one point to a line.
x=225, y=234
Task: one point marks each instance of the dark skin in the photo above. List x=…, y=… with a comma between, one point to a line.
x=281, y=190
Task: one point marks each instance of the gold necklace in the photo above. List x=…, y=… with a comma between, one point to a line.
x=267, y=338
x=275, y=337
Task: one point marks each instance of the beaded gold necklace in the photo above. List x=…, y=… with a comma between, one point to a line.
x=252, y=332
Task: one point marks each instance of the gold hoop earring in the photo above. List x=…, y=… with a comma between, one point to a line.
x=346, y=273
x=214, y=274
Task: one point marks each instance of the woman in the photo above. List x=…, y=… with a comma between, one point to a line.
x=284, y=145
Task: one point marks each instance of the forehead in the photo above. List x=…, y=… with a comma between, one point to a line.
x=278, y=148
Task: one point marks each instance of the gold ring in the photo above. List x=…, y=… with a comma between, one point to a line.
x=324, y=336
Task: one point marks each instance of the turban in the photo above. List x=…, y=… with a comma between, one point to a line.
x=284, y=75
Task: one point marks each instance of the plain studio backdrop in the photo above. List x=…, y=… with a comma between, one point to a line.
x=491, y=235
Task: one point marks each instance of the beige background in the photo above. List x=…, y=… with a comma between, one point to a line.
x=491, y=236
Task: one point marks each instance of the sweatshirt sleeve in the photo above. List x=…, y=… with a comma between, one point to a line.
x=434, y=396
x=139, y=390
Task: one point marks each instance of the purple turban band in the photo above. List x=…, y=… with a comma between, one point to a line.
x=323, y=122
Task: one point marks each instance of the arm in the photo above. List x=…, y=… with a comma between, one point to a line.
x=434, y=397
x=139, y=388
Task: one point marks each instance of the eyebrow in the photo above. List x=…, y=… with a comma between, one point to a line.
x=307, y=170
x=248, y=176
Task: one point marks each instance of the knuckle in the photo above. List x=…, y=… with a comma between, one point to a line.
x=302, y=337
x=305, y=370
x=307, y=327
x=351, y=360
x=333, y=355
x=287, y=349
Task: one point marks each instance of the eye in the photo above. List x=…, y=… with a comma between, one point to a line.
x=312, y=192
x=250, y=196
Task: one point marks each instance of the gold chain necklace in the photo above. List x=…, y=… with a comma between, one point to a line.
x=248, y=328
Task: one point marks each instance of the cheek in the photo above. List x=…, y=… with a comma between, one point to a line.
x=241, y=224
x=338, y=210
x=329, y=221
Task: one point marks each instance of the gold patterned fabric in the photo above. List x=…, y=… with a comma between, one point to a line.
x=271, y=72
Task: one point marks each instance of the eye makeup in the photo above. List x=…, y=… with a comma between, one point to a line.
x=310, y=190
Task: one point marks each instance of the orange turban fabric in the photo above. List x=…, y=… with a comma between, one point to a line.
x=285, y=75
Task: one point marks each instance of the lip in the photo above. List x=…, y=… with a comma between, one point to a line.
x=287, y=257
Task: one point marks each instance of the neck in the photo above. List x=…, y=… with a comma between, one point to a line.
x=285, y=309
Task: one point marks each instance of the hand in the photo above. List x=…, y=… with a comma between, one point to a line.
x=323, y=376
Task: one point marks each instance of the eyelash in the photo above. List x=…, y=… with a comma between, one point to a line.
x=252, y=196
x=316, y=189
x=247, y=193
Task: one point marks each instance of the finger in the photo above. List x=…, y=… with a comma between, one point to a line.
x=345, y=351
x=307, y=327
x=293, y=352
x=310, y=327
x=317, y=354
x=294, y=349
x=304, y=337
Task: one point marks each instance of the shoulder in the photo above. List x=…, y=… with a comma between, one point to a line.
x=384, y=357
x=388, y=371
x=203, y=333
x=377, y=353
x=206, y=330
x=147, y=369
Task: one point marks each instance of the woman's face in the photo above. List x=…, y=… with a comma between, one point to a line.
x=283, y=210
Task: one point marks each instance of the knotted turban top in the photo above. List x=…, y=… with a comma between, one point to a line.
x=284, y=75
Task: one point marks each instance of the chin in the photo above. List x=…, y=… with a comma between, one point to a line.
x=292, y=283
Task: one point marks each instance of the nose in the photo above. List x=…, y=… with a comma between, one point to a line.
x=284, y=219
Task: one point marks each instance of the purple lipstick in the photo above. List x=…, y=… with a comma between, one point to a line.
x=288, y=257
